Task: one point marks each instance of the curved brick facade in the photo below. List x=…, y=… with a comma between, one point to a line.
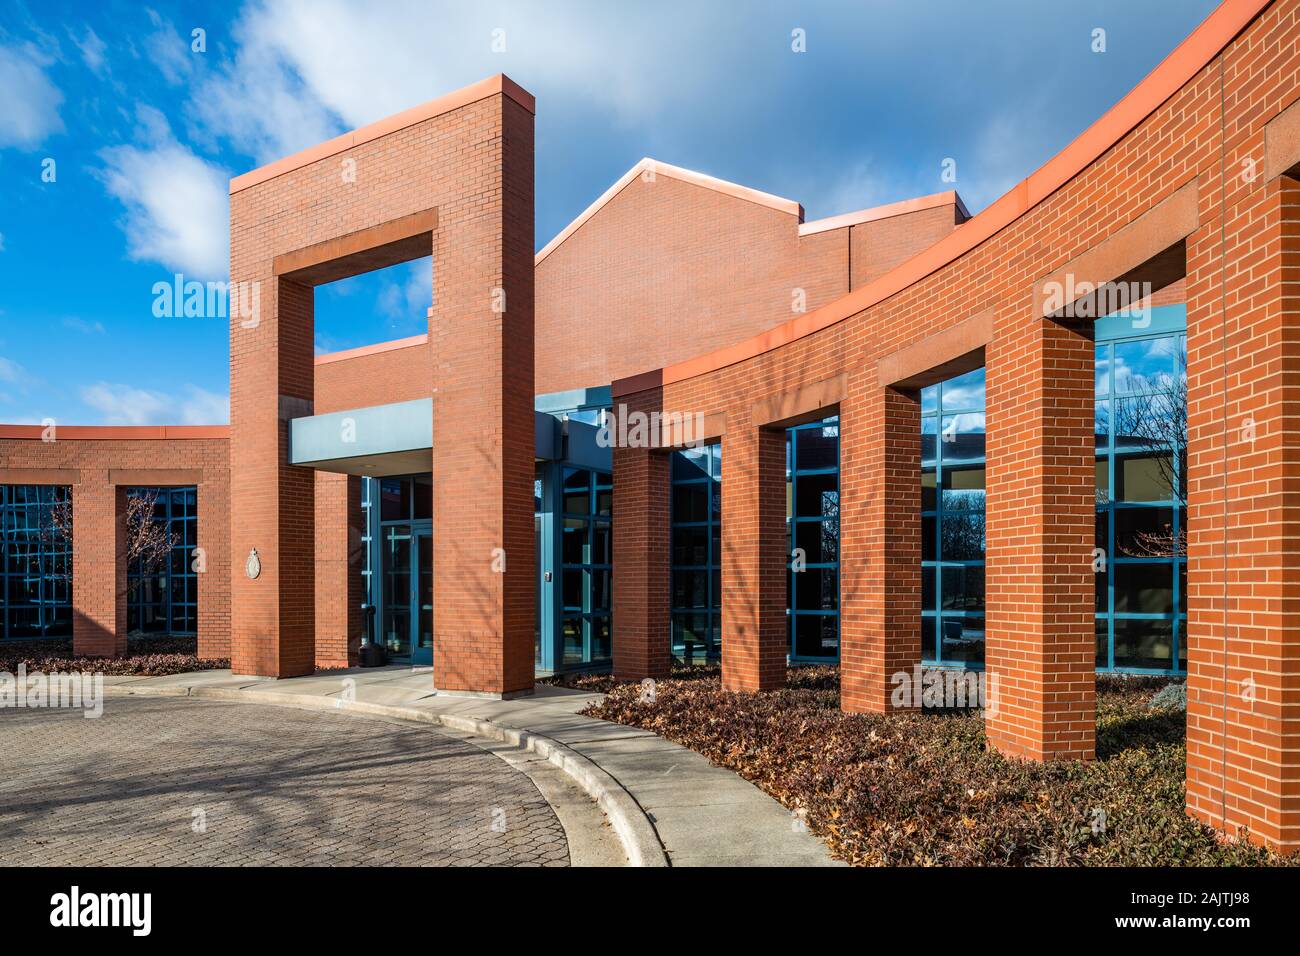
x=1189, y=176
x=1188, y=184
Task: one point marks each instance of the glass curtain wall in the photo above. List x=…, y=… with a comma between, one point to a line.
x=164, y=599
x=586, y=541
x=697, y=553
x=1141, y=472
x=1141, y=437
x=35, y=561
x=573, y=513
x=952, y=521
x=813, y=515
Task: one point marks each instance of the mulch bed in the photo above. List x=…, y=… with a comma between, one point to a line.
x=145, y=656
x=922, y=789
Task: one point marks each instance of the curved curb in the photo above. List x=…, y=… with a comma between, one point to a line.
x=635, y=832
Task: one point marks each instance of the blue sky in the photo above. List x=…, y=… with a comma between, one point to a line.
x=144, y=133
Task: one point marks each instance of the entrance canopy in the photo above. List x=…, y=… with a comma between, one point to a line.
x=397, y=439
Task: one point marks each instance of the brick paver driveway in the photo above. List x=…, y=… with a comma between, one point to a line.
x=199, y=782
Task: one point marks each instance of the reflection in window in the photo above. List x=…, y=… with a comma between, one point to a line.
x=1141, y=438
x=585, y=567
x=952, y=520
x=162, y=596
x=35, y=561
x=696, y=586
x=813, y=515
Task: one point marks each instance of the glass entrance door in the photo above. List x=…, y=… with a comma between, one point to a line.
x=422, y=647
x=398, y=582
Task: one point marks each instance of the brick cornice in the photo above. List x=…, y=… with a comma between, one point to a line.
x=492, y=86
x=117, y=432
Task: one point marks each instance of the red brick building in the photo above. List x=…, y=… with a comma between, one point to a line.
x=898, y=435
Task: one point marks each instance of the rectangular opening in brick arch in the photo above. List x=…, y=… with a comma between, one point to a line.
x=383, y=305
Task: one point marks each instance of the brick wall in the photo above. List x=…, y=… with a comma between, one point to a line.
x=468, y=159
x=709, y=267
x=1243, y=347
x=340, y=561
x=98, y=464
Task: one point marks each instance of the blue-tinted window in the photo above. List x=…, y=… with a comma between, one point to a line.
x=1141, y=438
x=813, y=516
x=586, y=565
x=35, y=561
x=162, y=590
x=952, y=520
x=696, y=553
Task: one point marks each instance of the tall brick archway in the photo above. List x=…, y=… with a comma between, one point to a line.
x=454, y=178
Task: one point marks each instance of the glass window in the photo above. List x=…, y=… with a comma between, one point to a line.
x=1141, y=425
x=696, y=570
x=585, y=528
x=577, y=491
x=35, y=561
x=812, y=512
x=952, y=521
x=162, y=584
x=1146, y=365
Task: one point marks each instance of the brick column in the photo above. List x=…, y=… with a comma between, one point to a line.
x=214, y=571
x=1040, y=650
x=880, y=545
x=99, y=567
x=272, y=504
x=340, y=554
x=1243, y=708
x=641, y=608
x=755, y=545
x=481, y=333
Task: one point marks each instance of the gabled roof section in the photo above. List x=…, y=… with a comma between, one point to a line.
x=1169, y=76
x=647, y=166
x=949, y=198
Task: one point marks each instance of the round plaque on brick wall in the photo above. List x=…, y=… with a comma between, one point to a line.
x=253, y=566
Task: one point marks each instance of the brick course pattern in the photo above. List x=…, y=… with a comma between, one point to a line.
x=1198, y=122
x=98, y=463
x=468, y=160
x=1204, y=155
x=710, y=267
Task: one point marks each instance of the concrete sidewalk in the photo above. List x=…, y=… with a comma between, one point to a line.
x=668, y=805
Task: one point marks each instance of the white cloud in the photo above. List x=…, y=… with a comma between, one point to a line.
x=858, y=186
x=92, y=50
x=11, y=372
x=31, y=101
x=1010, y=146
x=408, y=300
x=85, y=327
x=17, y=382
x=168, y=51
x=305, y=68
x=120, y=404
x=177, y=210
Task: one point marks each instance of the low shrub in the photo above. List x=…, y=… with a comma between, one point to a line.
x=923, y=789
x=145, y=656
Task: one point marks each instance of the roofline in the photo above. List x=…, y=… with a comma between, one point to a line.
x=411, y=341
x=735, y=190
x=917, y=204
x=493, y=85
x=116, y=432
x=1200, y=48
